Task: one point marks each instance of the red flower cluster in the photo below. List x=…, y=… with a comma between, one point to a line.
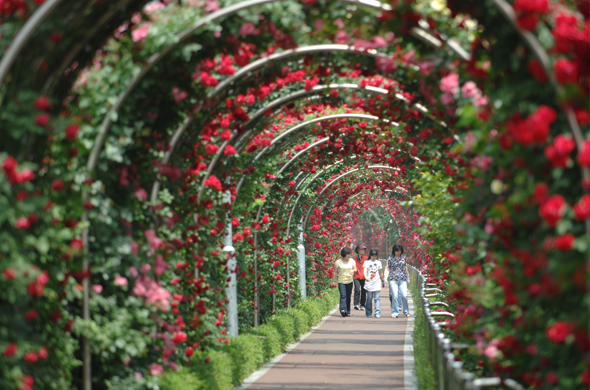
x=558, y=332
x=528, y=11
x=559, y=152
x=10, y=170
x=553, y=210
x=214, y=182
x=534, y=129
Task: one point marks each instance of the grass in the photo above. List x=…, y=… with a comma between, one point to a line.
x=423, y=368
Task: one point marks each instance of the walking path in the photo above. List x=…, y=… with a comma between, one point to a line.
x=345, y=353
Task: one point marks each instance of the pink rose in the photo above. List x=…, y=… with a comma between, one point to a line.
x=97, y=288
x=161, y=265
x=450, y=83
x=141, y=194
x=470, y=90
x=248, y=28
x=139, y=34
x=120, y=281
x=156, y=369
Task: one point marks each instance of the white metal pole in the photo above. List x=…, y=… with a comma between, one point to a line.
x=232, y=289
x=301, y=258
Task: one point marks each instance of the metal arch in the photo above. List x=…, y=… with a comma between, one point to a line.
x=302, y=152
x=23, y=36
x=181, y=37
x=305, y=188
x=354, y=170
x=173, y=142
x=340, y=178
x=298, y=127
x=302, y=93
x=48, y=87
x=295, y=128
x=255, y=65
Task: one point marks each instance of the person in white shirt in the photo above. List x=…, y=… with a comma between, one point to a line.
x=374, y=283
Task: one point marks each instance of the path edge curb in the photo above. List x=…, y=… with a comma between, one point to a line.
x=252, y=378
x=410, y=382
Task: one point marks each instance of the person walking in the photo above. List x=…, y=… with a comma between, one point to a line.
x=374, y=282
x=345, y=268
x=360, y=294
x=398, y=280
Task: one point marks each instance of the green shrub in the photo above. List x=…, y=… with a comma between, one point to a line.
x=217, y=374
x=314, y=314
x=183, y=379
x=285, y=326
x=247, y=354
x=300, y=321
x=272, y=341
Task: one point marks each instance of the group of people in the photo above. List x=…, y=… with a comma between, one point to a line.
x=365, y=273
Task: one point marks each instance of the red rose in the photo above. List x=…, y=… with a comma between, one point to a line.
x=9, y=273
x=558, y=332
x=584, y=154
x=10, y=350
x=566, y=72
x=214, y=182
x=536, y=6
x=76, y=244
x=22, y=223
x=211, y=149
x=229, y=150
x=553, y=209
x=72, y=132
x=235, y=223
x=527, y=22
x=57, y=185
x=537, y=70
x=582, y=208
x=225, y=136
x=540, y=193
x=43, y=353
x=559, y=152
x=42, y=103
x=42, y=119
x=189, y=352
x=31, y=315
x=565, y=242
x=30, y=357
x=179, y=337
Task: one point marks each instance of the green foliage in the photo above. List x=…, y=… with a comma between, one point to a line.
x=183, y=379
x=247, y=353
x=422, y=358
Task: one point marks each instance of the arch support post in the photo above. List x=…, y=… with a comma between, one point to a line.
x=231, y=291
x=301, y=258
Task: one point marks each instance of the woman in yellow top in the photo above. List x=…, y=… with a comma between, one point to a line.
x=345, y=268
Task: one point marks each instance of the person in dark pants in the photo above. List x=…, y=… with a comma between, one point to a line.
x=345, y=268
x=360, y=294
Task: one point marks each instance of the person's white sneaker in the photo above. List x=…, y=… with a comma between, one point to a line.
x=362, y=308
x=393, y=316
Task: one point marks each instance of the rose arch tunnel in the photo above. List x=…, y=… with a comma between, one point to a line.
x=178, y=178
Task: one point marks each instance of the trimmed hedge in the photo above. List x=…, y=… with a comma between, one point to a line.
x=228, y=366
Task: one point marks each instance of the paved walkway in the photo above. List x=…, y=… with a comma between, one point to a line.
x=344, y=353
